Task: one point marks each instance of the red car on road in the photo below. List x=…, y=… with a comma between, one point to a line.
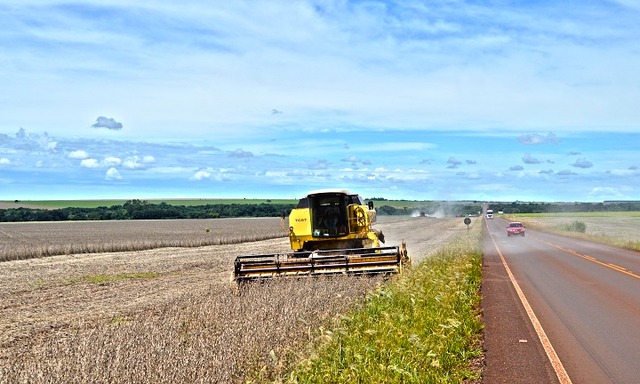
x=515, y=228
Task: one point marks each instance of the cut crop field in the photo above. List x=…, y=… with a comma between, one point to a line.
x=170, y=314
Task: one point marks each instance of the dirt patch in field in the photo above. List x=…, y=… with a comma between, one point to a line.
x=41, y=298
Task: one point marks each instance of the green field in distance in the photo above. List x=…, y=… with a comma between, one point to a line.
x=56, y=204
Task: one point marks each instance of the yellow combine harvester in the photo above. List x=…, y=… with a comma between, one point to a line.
x=330, y=233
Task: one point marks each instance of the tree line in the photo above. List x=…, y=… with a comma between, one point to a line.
x=142, y=209
x=519, y=207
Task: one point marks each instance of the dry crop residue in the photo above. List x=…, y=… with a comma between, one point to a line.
x=171, y=311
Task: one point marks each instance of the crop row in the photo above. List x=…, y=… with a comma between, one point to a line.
x=29, y=240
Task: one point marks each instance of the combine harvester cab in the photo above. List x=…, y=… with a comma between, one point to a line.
x=330, y=232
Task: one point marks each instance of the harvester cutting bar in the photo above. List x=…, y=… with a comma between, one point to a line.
x=323, y=262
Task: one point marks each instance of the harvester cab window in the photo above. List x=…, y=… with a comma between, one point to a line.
x=356, y=199
x=329, y=216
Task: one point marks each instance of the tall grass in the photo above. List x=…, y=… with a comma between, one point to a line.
x=575, y=226
x=423, y=328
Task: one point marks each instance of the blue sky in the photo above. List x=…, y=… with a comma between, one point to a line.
x=446, y=100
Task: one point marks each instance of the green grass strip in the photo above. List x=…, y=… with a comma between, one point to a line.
x=422, y=328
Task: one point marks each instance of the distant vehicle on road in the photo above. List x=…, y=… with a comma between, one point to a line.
x=515, y=228
x=489, y=214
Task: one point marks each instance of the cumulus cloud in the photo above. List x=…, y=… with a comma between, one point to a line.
x=528, y=159
x=111, y=161
x=566, y=172
x=606, y=192
x=472, y=162
x=351, y=159
x=4, y=161
x=240, y=154
x=535, y=138
x=108, y=123
x=354, y=160
x=516, y=168
x=582, y=163
x=547, y=172
x=137, y=162
x=453, y=163
x=201, y=175
x=90, y=163
x=113, y=174
x=574, y=153
x=79, y=154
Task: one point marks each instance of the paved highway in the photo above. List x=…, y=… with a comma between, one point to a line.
x=558, y=309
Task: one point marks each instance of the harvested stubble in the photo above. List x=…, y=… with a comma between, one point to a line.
x=208, y=336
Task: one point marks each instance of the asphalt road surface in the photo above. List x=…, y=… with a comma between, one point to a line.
x=559, y=310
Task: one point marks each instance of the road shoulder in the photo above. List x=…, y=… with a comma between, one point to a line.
x=513, y=352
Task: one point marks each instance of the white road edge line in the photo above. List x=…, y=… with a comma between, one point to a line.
x=561, y=373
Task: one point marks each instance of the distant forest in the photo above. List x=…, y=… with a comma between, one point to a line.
x=141, y=209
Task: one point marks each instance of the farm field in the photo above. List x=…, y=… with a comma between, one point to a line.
x=26, y=240
x=617, y=228
x=55, y=204
x=169, y=314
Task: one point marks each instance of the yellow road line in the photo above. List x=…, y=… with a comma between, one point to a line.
x=591, y=258
x=561, y=373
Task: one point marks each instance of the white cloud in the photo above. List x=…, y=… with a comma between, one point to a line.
x=582, y=163
x=112, y=174
x=529, y=159
x=606, y=192
x=201, y=175
x=405, y=66
x=4, y=161
x=240, y=154
x=535, y=138
x=108, y=123
x=111, y=161
x=453, y=163
x=134, y=162
x=79, y=154
x=90, y=163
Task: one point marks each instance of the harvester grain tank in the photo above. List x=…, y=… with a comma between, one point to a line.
x=330, y=232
